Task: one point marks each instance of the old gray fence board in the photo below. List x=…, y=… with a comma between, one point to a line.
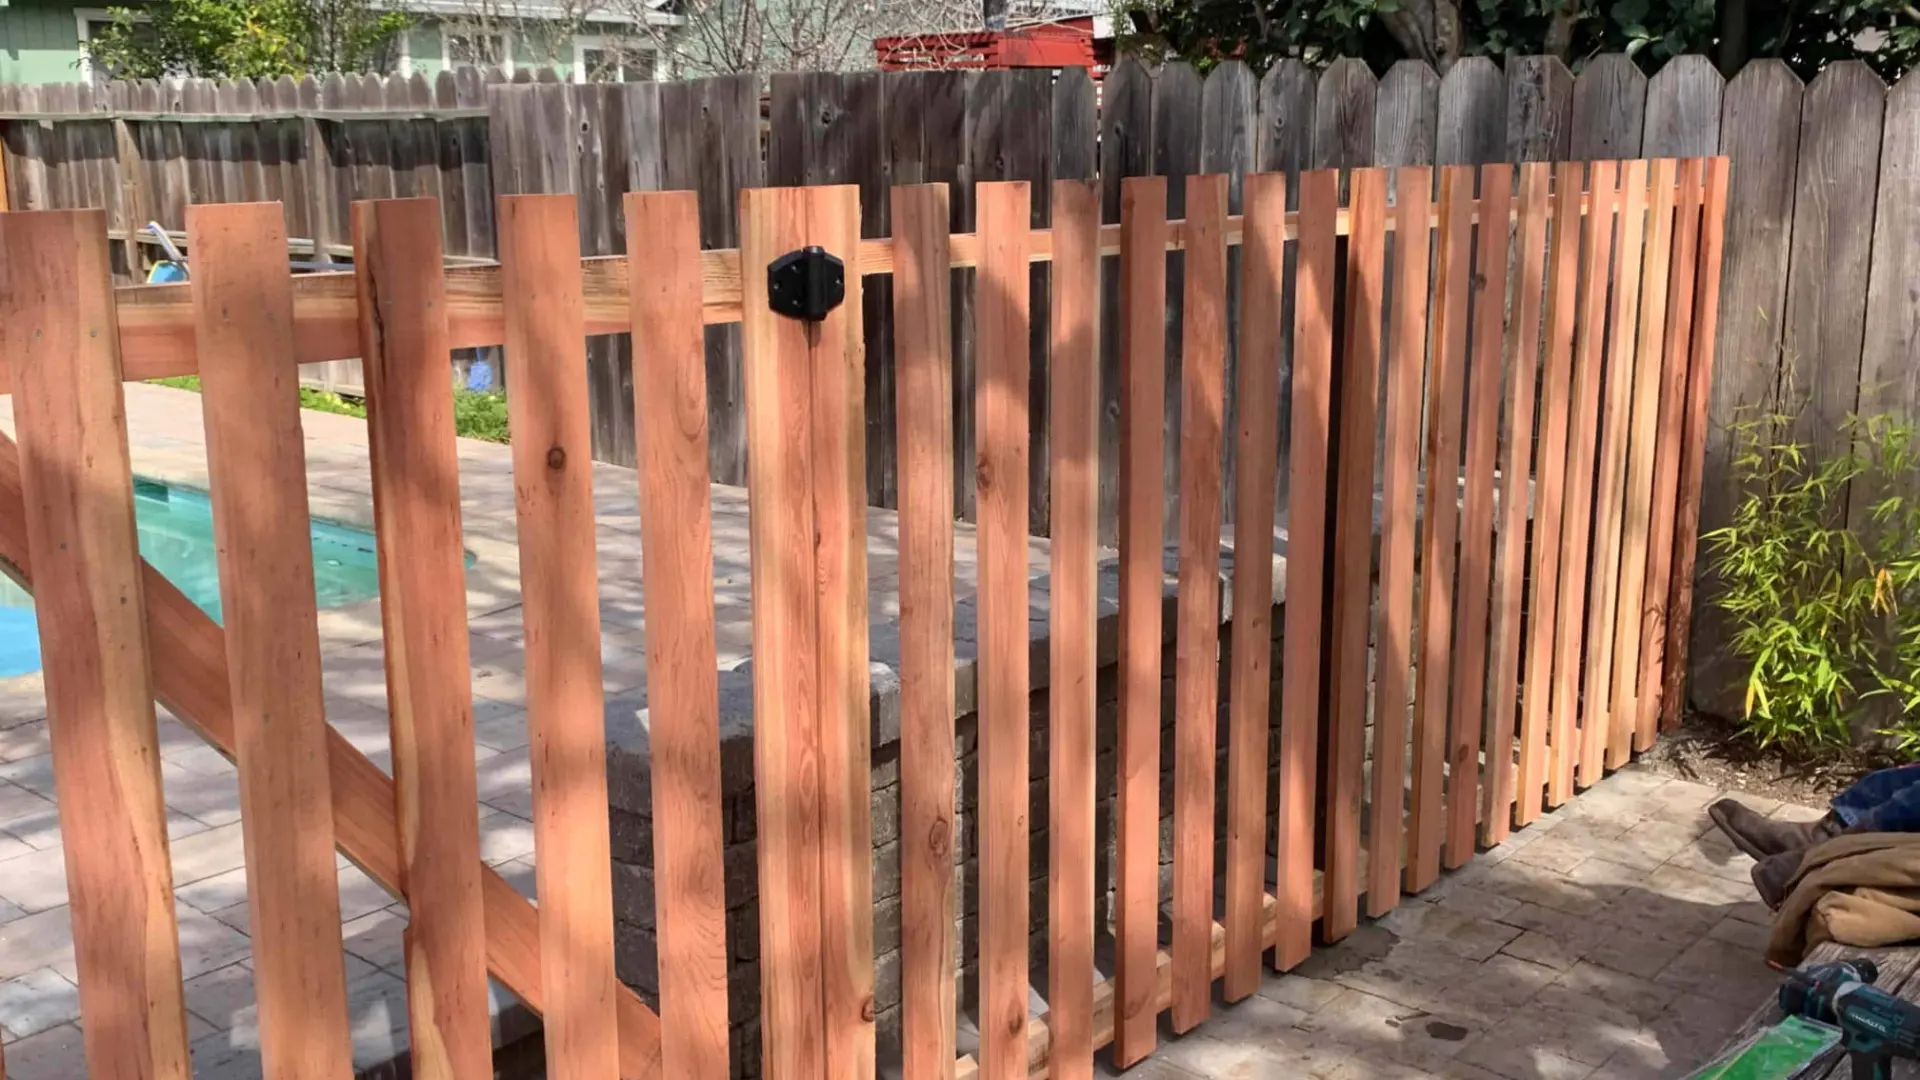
x=1289, y=107
x=1176, y=156
x=1126, y=149
x=1407, y=115
x=1539, y=109
x=1473, y=113
x=1609, y=109
x=1343, y=116
x=1890, y=354
x=1760, y=134
x=1683, y=109
x=1230, y=119
x=1840, y=130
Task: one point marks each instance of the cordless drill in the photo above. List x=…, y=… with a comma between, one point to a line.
x=1875, y=1026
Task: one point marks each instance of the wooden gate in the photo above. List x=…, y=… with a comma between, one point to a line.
x=1557, y=356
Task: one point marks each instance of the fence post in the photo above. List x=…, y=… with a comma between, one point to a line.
x=806, y=491
x=57, y=326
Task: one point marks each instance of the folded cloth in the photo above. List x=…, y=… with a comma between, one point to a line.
x=1857, y=889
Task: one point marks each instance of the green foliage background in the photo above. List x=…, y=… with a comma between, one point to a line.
x=245, y=39
x=1808, y=34
x=477, y=414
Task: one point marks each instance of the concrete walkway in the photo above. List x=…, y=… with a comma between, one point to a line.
x=1616, y=937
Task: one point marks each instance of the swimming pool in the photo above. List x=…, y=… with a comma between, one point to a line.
x=176, y=536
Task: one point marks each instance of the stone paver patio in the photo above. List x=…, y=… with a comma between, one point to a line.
x=1617, y=937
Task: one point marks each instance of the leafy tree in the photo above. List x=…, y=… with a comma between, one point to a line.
x=1808, y=34
x=242, y=39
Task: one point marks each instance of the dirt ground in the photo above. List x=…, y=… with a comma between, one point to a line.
x=1709, y=750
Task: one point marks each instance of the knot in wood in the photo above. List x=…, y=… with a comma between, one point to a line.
x=939, y=837
x=556, y=459
x=866, y=1009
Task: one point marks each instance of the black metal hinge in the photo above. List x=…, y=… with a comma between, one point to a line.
x=806, y=284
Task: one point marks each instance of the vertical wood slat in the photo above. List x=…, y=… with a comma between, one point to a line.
x=1576, y=519
x=57, y=327
x=1306, y=559
x=1517, y=499
x=1637, y=518
x=1542, y=717
x=676, y=521
x=1465, y=729
x=776, y=361
x=553, y=487
x=1257, y=406
x=1352, y=598
x=1670, y=429
x=1074, y=417
x=1400, y=479
x=1686, y=518
x=923, y=349
x=1197, y=624
x=243, y=315
x=1003, y=213
x=1453, y=254
x=840, y=574
x=1609, y=493
x=416, y=500
x=1142, y=351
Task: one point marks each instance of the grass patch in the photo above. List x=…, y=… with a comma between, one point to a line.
x=477, y=414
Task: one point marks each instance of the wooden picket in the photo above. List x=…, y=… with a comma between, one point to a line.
x=1073, y=660
x=1143, y=284
x=1196, y=690
x=257, y=474
x=1549, y=589
x=415, y=467
x=924, y=352
x=1406, y=365
x=1352, y=599
x=676, y=522
x=1257, y=394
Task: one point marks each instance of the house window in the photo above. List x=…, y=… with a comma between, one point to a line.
x=479, y=49
x=602, y=58
x=88, y=23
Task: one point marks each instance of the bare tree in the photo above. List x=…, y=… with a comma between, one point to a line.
x=546, y=34
x=724, y=37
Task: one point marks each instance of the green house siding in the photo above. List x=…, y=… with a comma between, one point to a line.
x=39, y=41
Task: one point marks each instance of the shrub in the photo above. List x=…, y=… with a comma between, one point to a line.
x=1820, y=575
x=477, y=414
x=480, y=414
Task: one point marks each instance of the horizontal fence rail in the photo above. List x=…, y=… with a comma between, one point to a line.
x=156, y=321
x=1550, y=329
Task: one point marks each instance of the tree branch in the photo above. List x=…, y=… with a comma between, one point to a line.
x=1560, y=28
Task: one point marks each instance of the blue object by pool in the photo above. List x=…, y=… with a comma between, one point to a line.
x=176, y=536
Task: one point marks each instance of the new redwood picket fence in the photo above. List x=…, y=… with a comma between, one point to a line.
x=1549, y=328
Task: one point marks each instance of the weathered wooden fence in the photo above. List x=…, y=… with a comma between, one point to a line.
x=1820, y=256
x=1577, y=316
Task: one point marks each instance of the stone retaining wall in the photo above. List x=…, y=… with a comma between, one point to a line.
x=632, y=811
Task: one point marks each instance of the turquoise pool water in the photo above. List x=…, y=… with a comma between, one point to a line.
x=176, y=536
